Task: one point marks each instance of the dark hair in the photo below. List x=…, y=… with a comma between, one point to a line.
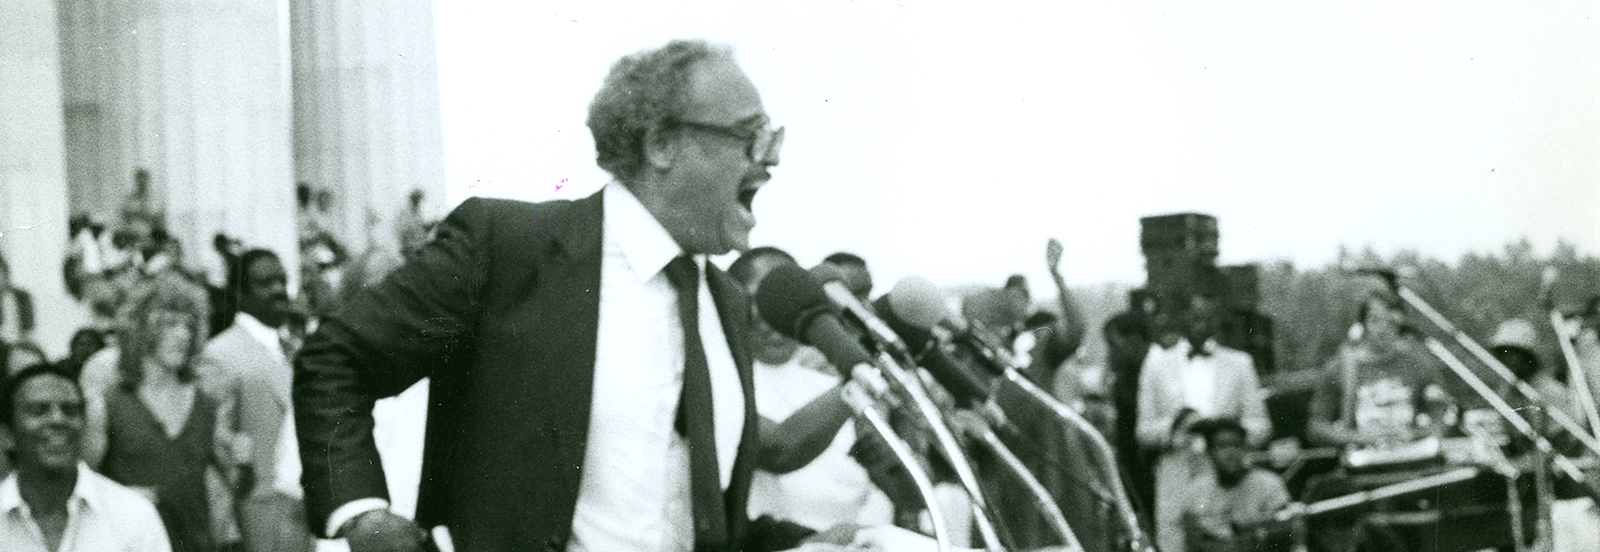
x=1041, y=319
x=744, y=267
x=1210, y=428
x=843, y=258
x=1389, y=301
x=645, y=91
x=8, y=390
x=241, y=280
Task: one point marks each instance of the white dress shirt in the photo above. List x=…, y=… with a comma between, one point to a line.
x=1199, y=378
x=102, y=516
x=267, y=336
x=833, y=488
x=635, y=492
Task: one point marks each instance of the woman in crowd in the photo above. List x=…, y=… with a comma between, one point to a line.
x=155, y=431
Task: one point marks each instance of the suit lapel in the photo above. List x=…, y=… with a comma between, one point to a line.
x=570, y=270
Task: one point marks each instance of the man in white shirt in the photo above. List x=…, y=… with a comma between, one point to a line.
x=590, y=390
x=54, y=502
x=1195, y=380
x=248, y=365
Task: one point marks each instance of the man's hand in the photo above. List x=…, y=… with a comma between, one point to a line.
x=1052, y=255
x=383, y=531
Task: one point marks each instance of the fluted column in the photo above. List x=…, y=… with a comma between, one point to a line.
x=197, y=93
x=366, y=111
x=33, y=187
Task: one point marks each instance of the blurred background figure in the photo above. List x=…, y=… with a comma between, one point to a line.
x=1230, y=507
x=16, y=312
x=85, y=343
x=1197, y=379
x=1380, y=389
x=248, y=365
x=806, y=473
x=155, y=430
x=852, y=270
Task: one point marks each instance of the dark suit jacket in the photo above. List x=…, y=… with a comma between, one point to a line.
x=501, y=310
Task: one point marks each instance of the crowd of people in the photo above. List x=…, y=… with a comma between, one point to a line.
x=222, y=413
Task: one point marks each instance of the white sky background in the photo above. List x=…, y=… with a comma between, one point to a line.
x=952, y=141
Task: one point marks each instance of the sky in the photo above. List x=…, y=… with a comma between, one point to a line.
x=950, y=141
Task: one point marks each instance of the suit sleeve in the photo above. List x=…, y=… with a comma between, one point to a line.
x=768, y=534
x=391, y=335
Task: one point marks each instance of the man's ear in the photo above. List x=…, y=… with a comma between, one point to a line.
x=660, y=149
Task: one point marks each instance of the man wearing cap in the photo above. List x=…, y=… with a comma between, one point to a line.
x=1515, y=343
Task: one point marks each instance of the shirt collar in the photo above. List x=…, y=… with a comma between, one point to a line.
x=644, y=243
x=258, y=330
x=1187, y=349
x=83, y=490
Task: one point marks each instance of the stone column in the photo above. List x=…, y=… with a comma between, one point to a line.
x=197, y=93
x=33, y=187
x=366, y=111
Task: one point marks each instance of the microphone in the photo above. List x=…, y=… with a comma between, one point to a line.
x=919, y=304
x=916, y=305
x=912, y=318
x=793, y=304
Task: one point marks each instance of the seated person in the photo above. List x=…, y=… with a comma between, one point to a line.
x=1381, y=389
x=1514, y=344
x=805, y=473
x=1230, y=508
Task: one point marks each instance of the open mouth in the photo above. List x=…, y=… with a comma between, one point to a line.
x=747, y=198
x=748, y=189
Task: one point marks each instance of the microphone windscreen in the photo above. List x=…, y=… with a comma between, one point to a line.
x=789, y=299
x=917, y=302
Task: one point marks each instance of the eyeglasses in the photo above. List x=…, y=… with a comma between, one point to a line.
x=765, y=143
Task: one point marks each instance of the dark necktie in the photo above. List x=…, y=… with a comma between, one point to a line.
x=695, y=419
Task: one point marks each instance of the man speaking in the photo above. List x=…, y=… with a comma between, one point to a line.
x=591, y=384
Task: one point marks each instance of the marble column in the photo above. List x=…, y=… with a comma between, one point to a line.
x=33, y=188
x=197, y=93
x=366, y=112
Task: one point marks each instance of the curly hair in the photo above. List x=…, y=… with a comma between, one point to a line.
x=137, y=334
x=644, y=91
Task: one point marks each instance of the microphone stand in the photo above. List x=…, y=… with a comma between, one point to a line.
x=1576, y=373
x=948, y=446
x=1556, y=415
x=1137, y=540
x=1388, y=491
x=1041, y=495
x=866, y=408
x=1544, y=453
x=889, y=348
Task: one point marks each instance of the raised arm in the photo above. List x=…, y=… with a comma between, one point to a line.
x=1068, y=333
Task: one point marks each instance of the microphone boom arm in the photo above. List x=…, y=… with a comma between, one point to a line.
x=866, y=408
